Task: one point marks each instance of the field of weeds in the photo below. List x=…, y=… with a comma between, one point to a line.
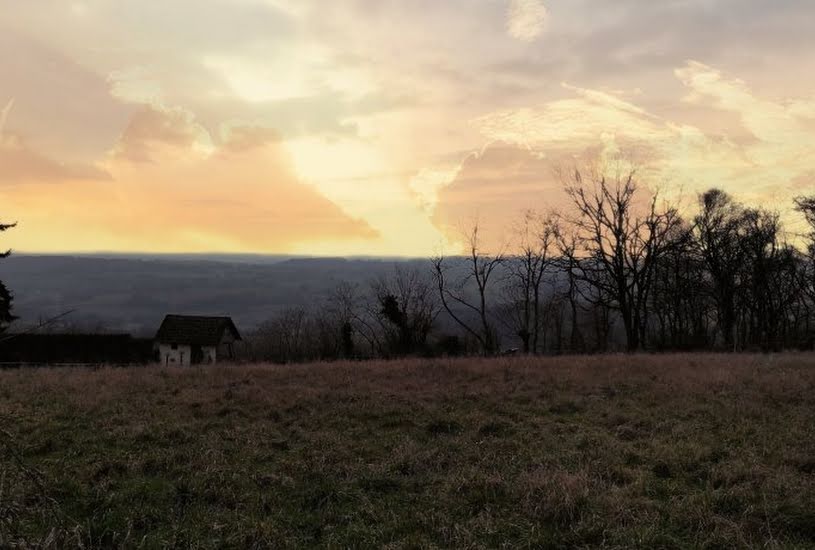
x=614, y=451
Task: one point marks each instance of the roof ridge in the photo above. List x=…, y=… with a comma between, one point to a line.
x=196, y=329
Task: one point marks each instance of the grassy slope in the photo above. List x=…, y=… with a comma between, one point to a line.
x=670, y=451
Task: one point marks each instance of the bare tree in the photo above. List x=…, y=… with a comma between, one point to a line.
x=408, y=304
x=286, y=338
x=806, y=281
x=679, y=299
x=570, y=266
x=718, y=229
x=354, y=314
x=806, y=206
x=457, y=278
x=528, y=269
x=770, y=279
x=621, y=242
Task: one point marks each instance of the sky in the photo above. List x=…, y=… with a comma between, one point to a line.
x=382, y=127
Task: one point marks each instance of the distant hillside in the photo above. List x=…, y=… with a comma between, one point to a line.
x=132, y=293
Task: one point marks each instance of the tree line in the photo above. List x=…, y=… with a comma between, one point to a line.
x=620, y=270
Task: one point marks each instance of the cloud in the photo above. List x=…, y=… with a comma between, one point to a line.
x=172, y=194
x=678, y=158
x=781, y=150
x=589, y=119
x=245, y=195
x=19, y=163
x=154, y=129
x=526, y=19
x=63, y=108
x=175, y=188
x=135, y=85
x=238, y=139
x=495, y=186
x=427, y=184
x=787, y=122
x=378, y=103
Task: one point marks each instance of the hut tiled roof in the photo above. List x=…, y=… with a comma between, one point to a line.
x=195, y=330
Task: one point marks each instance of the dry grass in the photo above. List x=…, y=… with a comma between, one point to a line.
x=615, y=451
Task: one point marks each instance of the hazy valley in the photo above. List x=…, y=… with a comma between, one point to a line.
x=133, y=293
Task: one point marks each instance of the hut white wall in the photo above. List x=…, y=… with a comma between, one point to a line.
x=180, y=356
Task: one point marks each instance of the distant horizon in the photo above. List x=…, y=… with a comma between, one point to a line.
x=204, y=255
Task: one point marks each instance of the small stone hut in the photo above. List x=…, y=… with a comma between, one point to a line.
x=185, y=340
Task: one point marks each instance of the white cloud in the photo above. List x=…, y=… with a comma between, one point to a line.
x=135, y=85
x=768, y=169
x=526, y=19
x=428, y=182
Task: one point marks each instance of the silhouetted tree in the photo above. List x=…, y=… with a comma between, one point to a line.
x=719, y=229
x=456, y=277
x=569, y=265
x=769, y=279
x=728, y=279
x=350, y=307
x=806, y=271
x=408, y=304
x=6, y=316
x=679, y=301
x=622, y=242
x=806, y=206
x=527, y=270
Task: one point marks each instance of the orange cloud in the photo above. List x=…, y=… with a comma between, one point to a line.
x=175, y=191
x=21, y=164
x=496, y=186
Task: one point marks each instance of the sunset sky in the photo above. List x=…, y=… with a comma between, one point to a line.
x=380, y=127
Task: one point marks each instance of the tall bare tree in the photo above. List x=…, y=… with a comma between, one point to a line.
x=569, y=265
x=458, y=278
x=621, y=241
x=770, y=279
x=719, y=229
x=679, y=299
x=527, y=269
x=806, y=206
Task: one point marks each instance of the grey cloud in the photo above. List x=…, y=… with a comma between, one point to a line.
x=608, y=37
x=324, y=113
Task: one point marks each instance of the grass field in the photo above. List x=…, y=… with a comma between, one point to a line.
x=617, y=451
